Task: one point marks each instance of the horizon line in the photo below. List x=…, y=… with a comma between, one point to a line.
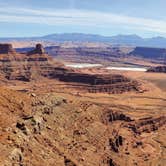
x=81, y=33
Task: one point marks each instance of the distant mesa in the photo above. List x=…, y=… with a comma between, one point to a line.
x=6, y=49
x=158, y=69
x=37, y=54
x=150, y=53
x=39, y=49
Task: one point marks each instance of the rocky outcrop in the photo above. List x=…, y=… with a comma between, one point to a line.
x=38, y=50
x=6, y=49
x=38, y=54
x=147, y=125
x=68, y=162
x=116, y=88
x=111, y=163
x=115, y=143
x=108, y=161
x=43, y=136
x=92, y=79
x=158, y=69
x=25, y=67
x=111, y=116
x=96, y=83
x=8, y=55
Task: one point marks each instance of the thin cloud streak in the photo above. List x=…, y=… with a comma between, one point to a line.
x=80, y=18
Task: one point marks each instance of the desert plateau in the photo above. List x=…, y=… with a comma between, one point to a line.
x=52, y=114
x=82, y=83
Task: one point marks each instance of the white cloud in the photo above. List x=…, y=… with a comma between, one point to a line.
x=80, y=18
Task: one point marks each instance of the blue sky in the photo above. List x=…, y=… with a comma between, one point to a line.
x=23, y=18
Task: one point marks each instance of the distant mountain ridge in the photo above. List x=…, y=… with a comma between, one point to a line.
x=132, y=40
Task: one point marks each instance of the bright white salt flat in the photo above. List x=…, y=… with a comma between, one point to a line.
x=83, y=65
x=127, y=68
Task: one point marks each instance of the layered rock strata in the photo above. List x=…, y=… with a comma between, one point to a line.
x=6, y=49
x=36, y=64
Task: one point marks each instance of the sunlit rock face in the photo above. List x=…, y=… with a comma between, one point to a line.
x=37, y=64
x=24, y=67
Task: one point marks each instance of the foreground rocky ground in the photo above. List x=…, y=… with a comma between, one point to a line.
x=53, y=128
x=47, y=121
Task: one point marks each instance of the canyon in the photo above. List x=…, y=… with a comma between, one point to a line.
x=37, y=63
x=51, y=114
x=104, y=53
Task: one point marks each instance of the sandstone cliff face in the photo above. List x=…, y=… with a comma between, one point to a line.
x=147, y=125
x=6, y=49
x=143, y=125
x=66, y=52
x=150, y=53
x=37, y=64
x=111, y=116
x=25, y=67
x=38, y=50
x=8, y=54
